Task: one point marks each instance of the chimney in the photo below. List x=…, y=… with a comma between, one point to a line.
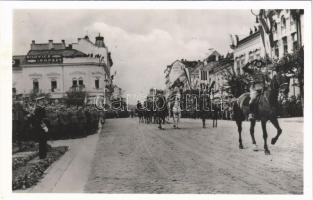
x=50, y=44
x=32, y=45
x=63, y=42
x=99, y=41
x=78, y=39
x=70, y=46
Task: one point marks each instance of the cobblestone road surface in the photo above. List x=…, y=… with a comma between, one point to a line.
x=139, y=158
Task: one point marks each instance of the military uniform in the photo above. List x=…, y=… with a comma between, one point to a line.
x=258, y=83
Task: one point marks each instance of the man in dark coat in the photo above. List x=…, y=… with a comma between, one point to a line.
x=40, y=127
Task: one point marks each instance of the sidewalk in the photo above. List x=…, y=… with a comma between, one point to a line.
x=70, y=173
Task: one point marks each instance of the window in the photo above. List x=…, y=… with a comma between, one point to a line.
x=97, y=83
x=275, y=27
x=283, y=24
x=74, y=82
x=285, y=44
x=276, y=49
x=80, y=82
x=292, y=20
x=35, y=85
x=294, y=41
x=204, y=75
x=53, y=85
x=238, y=66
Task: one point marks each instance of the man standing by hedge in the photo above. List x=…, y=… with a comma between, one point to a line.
x=40, y=127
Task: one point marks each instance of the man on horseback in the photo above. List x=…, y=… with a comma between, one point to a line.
x=161, y=108
x=258, y=82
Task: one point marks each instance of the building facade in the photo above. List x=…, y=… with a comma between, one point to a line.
x=247, y=49
x=287, y=31
x=55, y=68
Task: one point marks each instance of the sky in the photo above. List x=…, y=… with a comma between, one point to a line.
x=142, y=42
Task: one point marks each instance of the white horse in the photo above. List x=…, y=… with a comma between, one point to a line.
x=176, y=111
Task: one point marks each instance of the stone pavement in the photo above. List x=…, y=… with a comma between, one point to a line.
x=69, y=173
x=140, y=158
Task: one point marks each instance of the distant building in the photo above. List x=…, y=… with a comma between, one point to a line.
x=197, y=71
x=181, y=73
x=56, y=68
x=247, y=49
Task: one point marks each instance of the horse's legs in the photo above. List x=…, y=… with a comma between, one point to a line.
x=267, y=152
x=174, y=122
x=239, y=126
x=252, y=125
x=160, y=122
x=203, y=122
x=279, y=130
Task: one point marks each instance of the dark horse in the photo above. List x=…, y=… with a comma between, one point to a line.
x=267, y=107
x=161, y=109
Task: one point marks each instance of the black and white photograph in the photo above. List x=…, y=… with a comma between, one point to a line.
x=160, y=101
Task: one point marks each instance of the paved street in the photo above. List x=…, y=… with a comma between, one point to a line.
x=139, y=158
x=70, y=172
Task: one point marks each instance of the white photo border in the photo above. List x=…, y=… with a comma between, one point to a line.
x=6, y=19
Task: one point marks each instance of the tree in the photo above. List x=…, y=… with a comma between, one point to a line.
x=293, y=66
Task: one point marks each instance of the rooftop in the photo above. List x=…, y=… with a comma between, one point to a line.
x=249, y=37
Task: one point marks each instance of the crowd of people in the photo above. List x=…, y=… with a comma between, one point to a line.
x=63, y=121
x=290, y=107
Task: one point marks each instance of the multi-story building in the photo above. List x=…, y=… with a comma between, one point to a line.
x=287, y=31
x=218, y=71
x=247, y=49
x=55, y=68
